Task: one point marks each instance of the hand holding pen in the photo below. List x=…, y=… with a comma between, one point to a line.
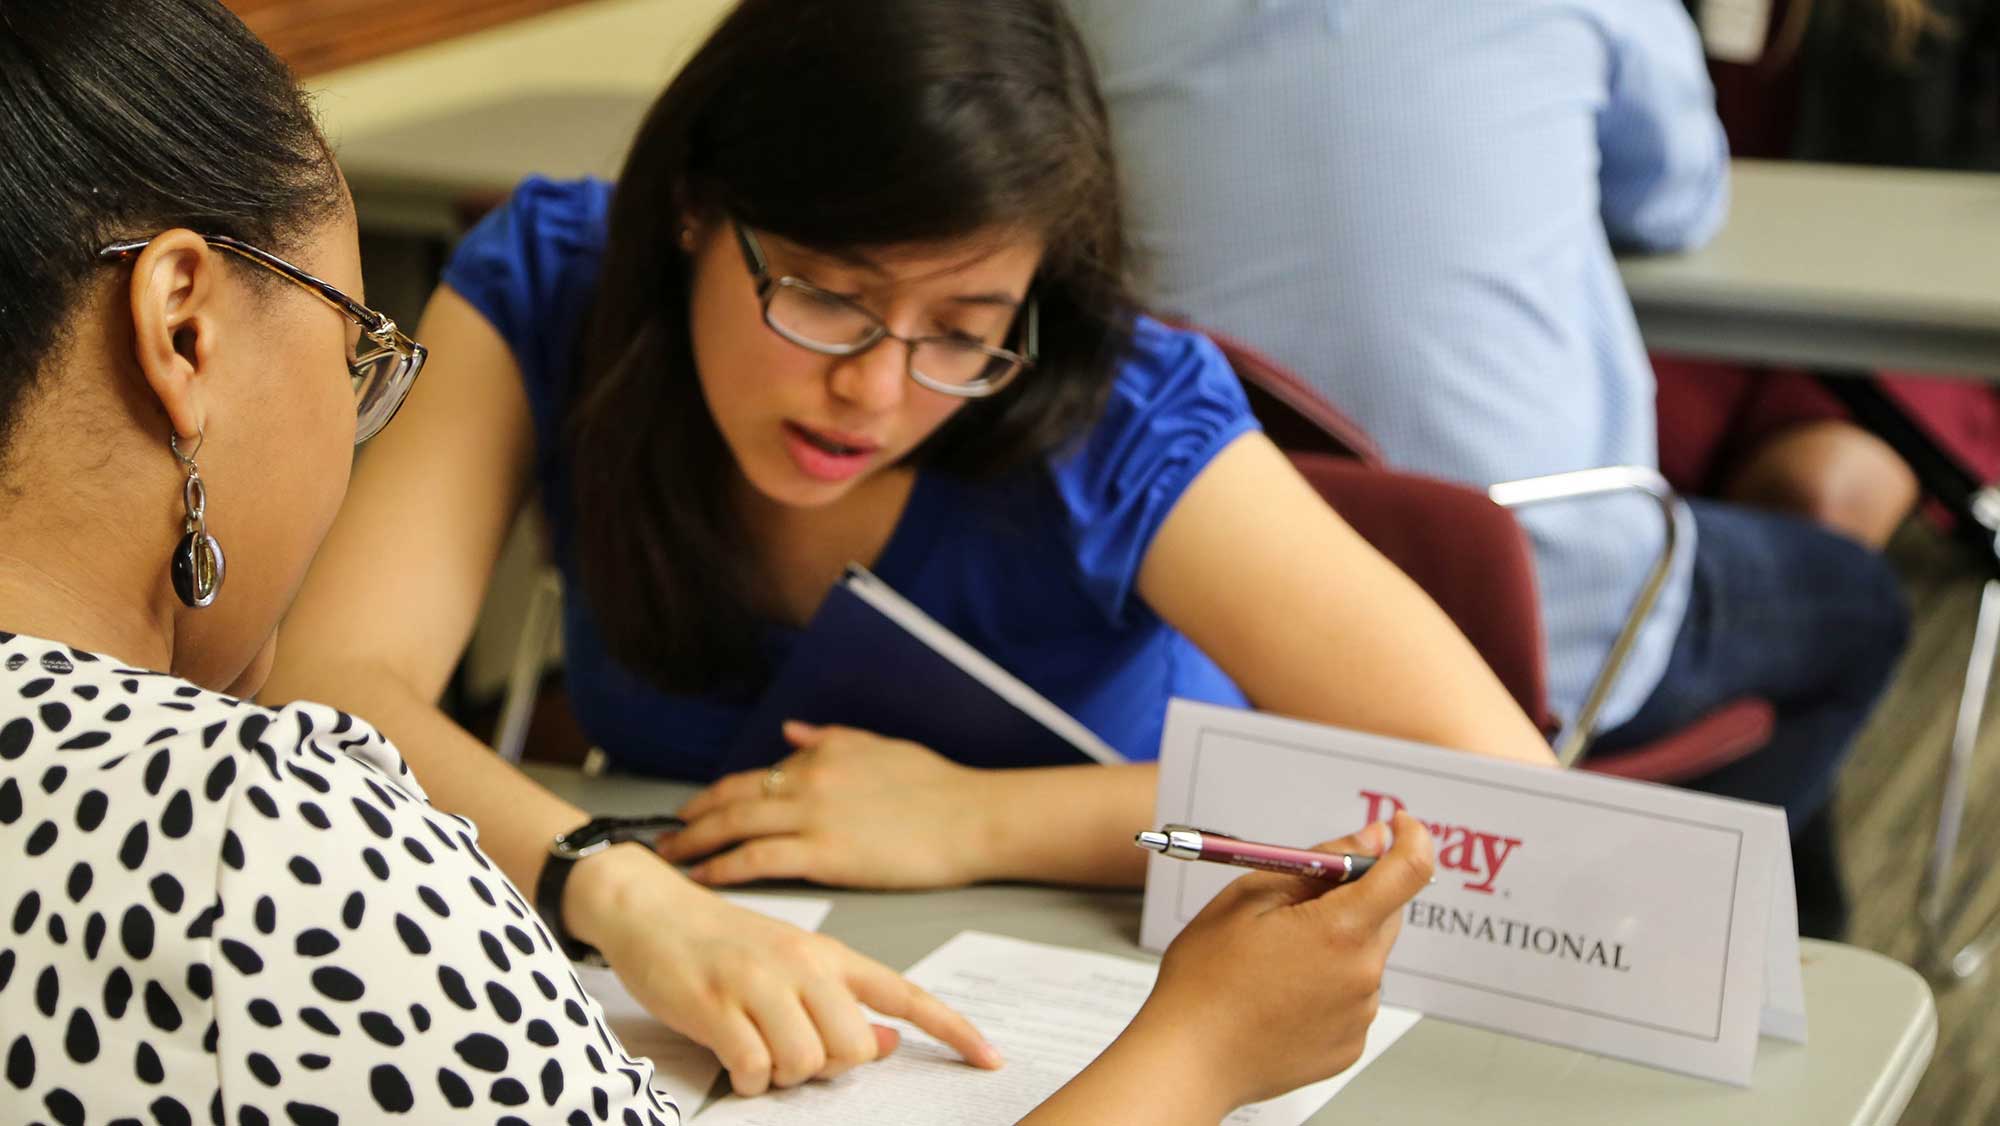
x=1184, y=842
x=1291, y=966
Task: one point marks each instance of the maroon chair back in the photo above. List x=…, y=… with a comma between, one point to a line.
x=1472, y=558
x=1466, y=552
x=1292, y=412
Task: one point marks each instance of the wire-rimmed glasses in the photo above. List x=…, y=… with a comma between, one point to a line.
x=833, y=325
x=383, y=368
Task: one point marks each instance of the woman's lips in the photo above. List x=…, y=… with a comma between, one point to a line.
x=827, y=455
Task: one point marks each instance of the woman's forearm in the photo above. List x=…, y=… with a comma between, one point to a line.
x=516, y=816
x=1065, y=824
x=1152, y=1073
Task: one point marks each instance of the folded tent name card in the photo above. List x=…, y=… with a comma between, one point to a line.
x=1627, y=919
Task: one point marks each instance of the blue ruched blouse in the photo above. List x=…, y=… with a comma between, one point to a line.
x=1036, y=569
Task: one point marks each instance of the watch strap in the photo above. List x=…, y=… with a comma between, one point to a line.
x=566, y=850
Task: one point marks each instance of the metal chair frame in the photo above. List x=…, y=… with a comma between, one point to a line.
x=1589, y=484
x=524, y=678
x=1942, y=905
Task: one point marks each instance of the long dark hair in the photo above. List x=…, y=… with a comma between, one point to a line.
x=836, y=124
x=125, y=117
x=1883, y=30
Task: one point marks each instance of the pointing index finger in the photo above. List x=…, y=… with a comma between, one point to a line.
x=891, y=994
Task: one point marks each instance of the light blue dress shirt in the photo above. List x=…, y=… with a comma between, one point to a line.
x=1412, y=203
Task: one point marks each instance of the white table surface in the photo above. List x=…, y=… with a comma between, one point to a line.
x=1837, y=266
x=1872, y=1022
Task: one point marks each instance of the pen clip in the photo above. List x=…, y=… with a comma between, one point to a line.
x=1177, y=827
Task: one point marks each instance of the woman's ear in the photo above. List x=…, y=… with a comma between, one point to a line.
x=696, y=225
x=175, y=288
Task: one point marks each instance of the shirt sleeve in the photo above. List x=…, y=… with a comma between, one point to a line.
x=1175, y=405
x=529, y=267
x=369, y=961
x=1665, y=176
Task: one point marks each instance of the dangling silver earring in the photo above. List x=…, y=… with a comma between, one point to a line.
x=197, y=565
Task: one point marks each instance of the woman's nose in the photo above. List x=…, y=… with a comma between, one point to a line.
x=876, y=380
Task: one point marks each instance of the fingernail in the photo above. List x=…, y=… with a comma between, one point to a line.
x=989, y=1056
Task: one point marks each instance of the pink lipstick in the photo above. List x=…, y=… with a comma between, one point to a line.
x=828, y=455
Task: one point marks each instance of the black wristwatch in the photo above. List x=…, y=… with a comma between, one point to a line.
x=588, y=839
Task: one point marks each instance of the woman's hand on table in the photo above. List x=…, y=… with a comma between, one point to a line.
x=847, y=808
x=1271, y=987
x=778, y=1005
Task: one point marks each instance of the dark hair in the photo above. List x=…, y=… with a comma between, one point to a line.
x=838, y=125
x=123, y=118
x=1878, y=31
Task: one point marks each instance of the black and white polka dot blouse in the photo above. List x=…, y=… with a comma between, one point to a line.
x=216, y=912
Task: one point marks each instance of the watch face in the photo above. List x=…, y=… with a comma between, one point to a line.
x=602, y=832
x=595, y=829
x=580, y=839
x=584, y=833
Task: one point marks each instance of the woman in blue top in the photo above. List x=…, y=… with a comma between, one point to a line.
x=856, y=296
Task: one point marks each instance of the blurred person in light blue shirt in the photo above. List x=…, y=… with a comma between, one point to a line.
x=1413, y=204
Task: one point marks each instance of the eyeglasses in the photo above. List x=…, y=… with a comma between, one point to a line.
x=383, y=370
x=832, y=325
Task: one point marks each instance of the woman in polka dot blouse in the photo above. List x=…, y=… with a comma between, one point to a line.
x=211, y=911
x=215, y=911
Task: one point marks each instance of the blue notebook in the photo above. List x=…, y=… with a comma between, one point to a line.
x=871, y=660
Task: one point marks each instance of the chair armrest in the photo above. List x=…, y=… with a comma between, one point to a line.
x=1590, y=484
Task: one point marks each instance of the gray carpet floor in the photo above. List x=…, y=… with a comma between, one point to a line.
x=1887, y=811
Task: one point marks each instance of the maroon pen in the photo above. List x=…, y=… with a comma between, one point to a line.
x=1182, y=842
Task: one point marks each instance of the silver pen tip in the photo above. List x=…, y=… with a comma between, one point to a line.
x=1156, y=842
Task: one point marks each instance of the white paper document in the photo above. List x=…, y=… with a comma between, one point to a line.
x=683, y=1068
x=1633, y=920
x=1049, y=1009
